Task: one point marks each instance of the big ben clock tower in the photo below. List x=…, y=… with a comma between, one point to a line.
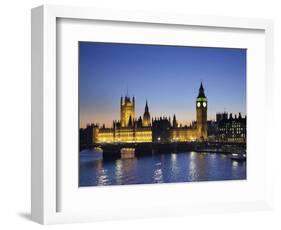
x=201, y=114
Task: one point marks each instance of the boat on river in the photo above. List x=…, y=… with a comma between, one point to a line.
x=238, y=157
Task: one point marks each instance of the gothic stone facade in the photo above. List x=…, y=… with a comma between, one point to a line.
x=197, y=132
x=127, y=129
x=130, y=129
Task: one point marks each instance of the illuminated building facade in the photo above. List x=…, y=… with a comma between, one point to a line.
x=201, y=113
x=145, y=129
x=128, y=129
x=127, y=111
x=197, y=132
x=183, y=134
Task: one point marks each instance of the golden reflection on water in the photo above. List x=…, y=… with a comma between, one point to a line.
x=125, y=170
x=193, y=166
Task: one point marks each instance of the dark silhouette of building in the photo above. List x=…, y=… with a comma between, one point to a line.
x=86, y=135
x=175, y=123
x=161, y=129
x=212, y=130
x=232, y=129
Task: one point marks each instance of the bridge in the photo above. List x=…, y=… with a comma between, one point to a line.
x=113, y=150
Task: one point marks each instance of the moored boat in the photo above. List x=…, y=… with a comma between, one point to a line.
x=238, y=156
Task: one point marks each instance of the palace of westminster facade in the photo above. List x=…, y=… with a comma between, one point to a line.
x=145, y=129
x=226, y=127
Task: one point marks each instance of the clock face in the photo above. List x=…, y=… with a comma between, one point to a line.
x=198, y=104
x=204, y=104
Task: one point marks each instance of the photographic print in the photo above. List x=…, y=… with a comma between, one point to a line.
x=161, y=114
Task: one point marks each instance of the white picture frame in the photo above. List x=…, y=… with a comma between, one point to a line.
x=46, y=168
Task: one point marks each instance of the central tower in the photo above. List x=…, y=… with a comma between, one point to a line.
x=201, y=113
x=146, y=116
x=127, y=110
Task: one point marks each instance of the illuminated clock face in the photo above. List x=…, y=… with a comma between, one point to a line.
x=204, y=104
x=198, y=104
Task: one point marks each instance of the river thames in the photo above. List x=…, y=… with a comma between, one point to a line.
x=162, y=168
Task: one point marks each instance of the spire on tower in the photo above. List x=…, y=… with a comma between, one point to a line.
x=146, y=107
x=130, y=123
x=201, y=91
x=146, y=116
x=175, y=123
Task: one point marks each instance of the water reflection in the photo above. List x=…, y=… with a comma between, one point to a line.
x=236, y=167
x=192, y=166
x=174, y=167
x=158, y=176
x=128, y=170
x=234, y=164
x=101, y=173
x=118, y=172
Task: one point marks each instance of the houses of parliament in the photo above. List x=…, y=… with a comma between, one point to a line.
x=147, y=129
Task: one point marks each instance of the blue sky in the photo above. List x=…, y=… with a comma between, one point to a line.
x=167, y=76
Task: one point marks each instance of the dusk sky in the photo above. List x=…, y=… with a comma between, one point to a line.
x=167, y=76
